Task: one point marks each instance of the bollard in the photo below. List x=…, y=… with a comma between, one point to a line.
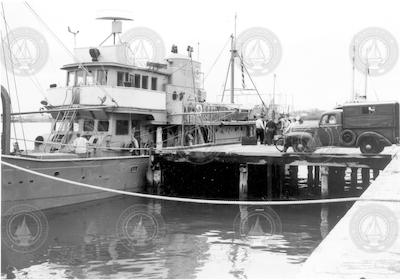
x=243, y=178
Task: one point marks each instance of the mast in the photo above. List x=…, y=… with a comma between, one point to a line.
x=353, y=92
x=273, y=99
x=233, y=55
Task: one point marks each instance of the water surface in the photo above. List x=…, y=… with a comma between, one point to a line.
x=127, y=237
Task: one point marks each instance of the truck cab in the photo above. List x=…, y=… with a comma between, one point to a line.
x=369, y=126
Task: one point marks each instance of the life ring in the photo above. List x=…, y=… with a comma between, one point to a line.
x=199, y=108
x=348, y=138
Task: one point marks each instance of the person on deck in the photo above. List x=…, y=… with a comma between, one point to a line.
x=134, y=145
x=260, y=129
x=80, y=145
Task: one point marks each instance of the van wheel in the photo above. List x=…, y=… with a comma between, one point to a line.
x=348, y=138
x=370, y=146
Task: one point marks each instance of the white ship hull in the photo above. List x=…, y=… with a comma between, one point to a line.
x=119, y=173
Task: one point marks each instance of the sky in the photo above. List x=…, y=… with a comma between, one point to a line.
x=315, y=70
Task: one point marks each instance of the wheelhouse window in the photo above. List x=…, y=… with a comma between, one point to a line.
x=137, y=81
x=89, y=77
x=154, y=83
x=122, y=127
x=71, y=78
x=145, y=81
x=120, y=79
x=102, y=77
x=102, y=126
x=79, y=78
x=88, y=125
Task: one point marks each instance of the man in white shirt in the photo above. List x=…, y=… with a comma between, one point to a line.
x=260, y=129
x=80, y=145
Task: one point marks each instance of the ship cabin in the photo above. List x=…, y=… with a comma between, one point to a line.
x=110, y=100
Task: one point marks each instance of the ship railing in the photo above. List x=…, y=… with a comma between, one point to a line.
x=69, y=147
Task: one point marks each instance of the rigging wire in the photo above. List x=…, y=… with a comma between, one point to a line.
x=248, y=74
x=7, y=79
x=13, y=73
x=216, y=60
x=226, y=80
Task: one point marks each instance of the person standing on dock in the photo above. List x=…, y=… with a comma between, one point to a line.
x=270, y=131
x=260, y=129
x=80, y=145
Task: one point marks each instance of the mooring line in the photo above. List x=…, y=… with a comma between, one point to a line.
x=200, y=201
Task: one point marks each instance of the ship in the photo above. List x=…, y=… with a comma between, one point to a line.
x=126, y=112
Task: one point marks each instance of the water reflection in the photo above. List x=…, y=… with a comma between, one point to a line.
x=163, y=239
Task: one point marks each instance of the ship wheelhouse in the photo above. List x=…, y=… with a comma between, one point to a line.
x=108, y=102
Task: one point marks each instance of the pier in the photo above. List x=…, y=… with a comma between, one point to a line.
x=365, y=243
x=263, y=172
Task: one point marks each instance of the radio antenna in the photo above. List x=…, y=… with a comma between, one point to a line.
x=73, y=33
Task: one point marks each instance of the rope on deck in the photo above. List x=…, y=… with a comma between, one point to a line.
x=195, y=200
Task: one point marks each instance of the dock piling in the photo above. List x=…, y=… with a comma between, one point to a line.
x=324, y=181
x=269, y=181
x=375, y=173
x=294, y=185
x=243, y=181
x=316, y=176
x=353, y=178
x=365, y=174
x=310, y=176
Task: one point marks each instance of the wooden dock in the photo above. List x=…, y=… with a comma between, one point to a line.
x=240, y=164
x=365, y=244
